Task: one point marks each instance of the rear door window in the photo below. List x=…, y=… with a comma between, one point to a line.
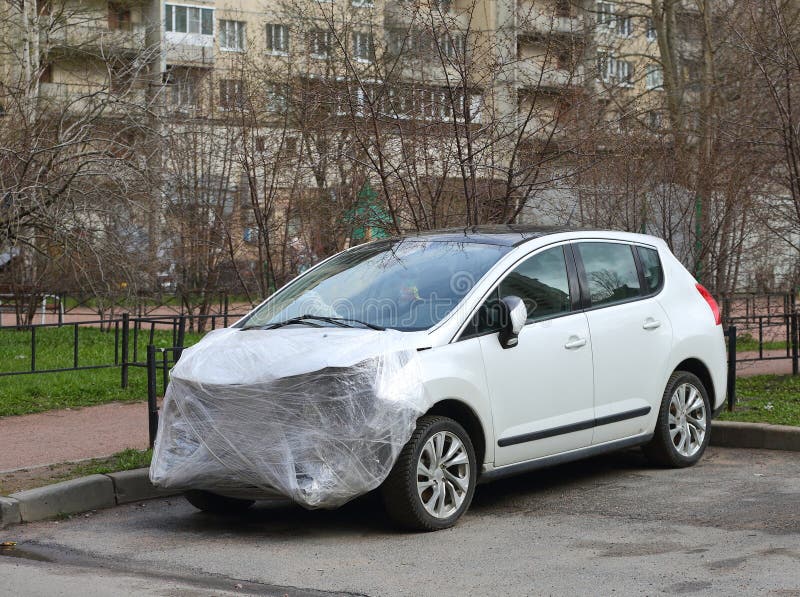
x=611, y=273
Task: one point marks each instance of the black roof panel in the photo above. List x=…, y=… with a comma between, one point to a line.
x=509, y=235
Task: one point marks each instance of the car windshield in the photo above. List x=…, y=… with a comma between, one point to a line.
x=406, y=285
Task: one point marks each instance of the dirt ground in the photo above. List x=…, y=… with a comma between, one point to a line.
x=43, y=475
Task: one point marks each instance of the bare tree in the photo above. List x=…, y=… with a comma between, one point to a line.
x=68, y=149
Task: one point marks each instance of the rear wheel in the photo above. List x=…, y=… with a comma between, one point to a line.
x=215, y=503
x=682, y=429
x=433, y=480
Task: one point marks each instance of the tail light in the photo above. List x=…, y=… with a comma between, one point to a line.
x=711, y=303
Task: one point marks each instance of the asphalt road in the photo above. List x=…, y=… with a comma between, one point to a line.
x=611, y=525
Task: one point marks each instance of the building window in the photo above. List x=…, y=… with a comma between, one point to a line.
x=231, y=93
x=319, y=43
x=563, y=8
x=624, y=72
x=182, y=90
x=651, y=32
x=119, y=17
x=654, y=120
x=399, y=103
x=605, y=14
x=603, y=60
x=278, y=39
x=231, y=35
x=613, y=70
x=624, y=25
x=188, y=19
x=452, y=45
x=654, y=77
x=277, y=97
x=250, y=235
x=363, y=46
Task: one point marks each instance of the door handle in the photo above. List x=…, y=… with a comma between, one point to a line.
x=651, y=324
x=575, y=342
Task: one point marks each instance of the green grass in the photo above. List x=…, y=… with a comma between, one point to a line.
x=23, y=394
x=54, y=473
x=747, y=343
x=766, y=399
x=121, y=461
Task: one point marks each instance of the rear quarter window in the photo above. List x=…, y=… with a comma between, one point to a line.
x=611, y=272
x=651, y=266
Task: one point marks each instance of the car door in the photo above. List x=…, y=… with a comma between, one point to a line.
x=631, y=336
x=541, y=389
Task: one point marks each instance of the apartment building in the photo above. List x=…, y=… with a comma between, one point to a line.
x=514, y=68
x=530, y=58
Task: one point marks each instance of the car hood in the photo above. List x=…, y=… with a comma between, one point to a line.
x=233, y=356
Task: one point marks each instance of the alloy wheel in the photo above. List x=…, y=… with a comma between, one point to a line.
x=443, y=474
x=687, y=419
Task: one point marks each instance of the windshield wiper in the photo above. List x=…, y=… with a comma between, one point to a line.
x=346, y=320
x=343, y=322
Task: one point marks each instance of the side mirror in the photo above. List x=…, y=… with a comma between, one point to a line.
x=513, y=315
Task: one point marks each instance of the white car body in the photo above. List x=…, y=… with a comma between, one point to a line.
x=577, y=385
x=423, y=365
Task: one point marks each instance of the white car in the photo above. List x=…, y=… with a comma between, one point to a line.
x=534, y=347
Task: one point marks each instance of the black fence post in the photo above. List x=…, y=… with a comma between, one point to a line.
x=125, y=338
x=181, y=336
x=165, y=369
x=75, y=347
x=33, y=348
x=152, y=403
x=794, y=343
x=731, y=367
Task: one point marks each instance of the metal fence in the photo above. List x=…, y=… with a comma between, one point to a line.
x=127, y=333
x=59, y=308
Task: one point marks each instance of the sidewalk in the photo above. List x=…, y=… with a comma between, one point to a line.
x=782, y=366
x=74, y=434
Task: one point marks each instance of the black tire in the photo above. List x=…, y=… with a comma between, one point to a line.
x=216, y=504
x=661, y=450
x=399, y=492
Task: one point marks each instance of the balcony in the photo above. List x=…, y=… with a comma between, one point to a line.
x=65, y=97
x=95, y=38
x=190, y=54
x=530, y=74
x=531, y=22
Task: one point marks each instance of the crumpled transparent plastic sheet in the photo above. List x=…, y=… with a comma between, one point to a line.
x=317, y=415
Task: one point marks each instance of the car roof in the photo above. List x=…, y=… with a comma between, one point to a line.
x=509, y=235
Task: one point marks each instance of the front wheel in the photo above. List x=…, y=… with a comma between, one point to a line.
x=433, y=480
x=682, y=428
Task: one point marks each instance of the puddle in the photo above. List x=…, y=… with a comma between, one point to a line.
x=12, y=551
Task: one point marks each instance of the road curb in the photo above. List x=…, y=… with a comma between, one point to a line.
x=79, y=495
x=733, y=434
x=134, y=486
